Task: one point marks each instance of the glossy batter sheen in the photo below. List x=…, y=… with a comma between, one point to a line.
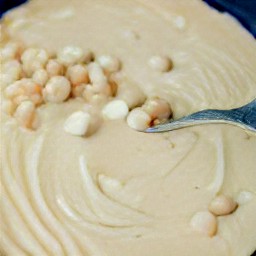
x=119, y=191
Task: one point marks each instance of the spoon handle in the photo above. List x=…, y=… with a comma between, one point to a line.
x=244, y=117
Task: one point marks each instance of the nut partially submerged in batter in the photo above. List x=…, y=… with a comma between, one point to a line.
x=42, y=79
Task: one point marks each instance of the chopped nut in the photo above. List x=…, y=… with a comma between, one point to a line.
x=33, y=59
x=138, y=119
x=57, y=89
x=25, y=113
x=71, y=55
x=40, y=77
x=204, y=222
x=116, y=109
x=97, y=75
x=109, y=63
x=78, y=123
x=157, y=108
x=222, y=205
x=78, y=74
x=54, y=68
x=160, y=63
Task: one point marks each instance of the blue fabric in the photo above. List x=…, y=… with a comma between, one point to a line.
x=6, y=5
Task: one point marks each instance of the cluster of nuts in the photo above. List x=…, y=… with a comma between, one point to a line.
x=32, y=77
x=206, y=221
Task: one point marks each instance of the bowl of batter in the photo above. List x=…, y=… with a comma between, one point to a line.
x=79, y=81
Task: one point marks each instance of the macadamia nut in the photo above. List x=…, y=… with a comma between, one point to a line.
x=138, y=119
x=34, y=59
x=205, y=223
x=222, y=205
x=57, y=89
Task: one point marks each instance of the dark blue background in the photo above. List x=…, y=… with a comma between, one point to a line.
x=8, y=4
x=243, y=10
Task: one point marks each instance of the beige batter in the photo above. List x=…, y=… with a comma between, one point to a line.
x=119, y=191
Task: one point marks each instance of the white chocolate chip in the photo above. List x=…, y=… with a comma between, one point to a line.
x=205, y=223
x=222, y=205
x=54, y=68
x=78, y=123
x=40, y=77
x=12, y=68
x=244, y=197
x=160, y=63
x=78, y=74
x=157, y=108
x=116, y=109
x=25, y=114
x=109, y=63
x=71, y=55
x=138, y=119
x=57, y=89
x=33, y=59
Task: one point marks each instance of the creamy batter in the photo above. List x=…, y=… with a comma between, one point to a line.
x=120, y=191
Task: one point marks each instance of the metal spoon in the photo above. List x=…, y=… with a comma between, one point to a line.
x=244, y=117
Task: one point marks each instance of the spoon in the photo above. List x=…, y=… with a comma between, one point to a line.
x=244, y=117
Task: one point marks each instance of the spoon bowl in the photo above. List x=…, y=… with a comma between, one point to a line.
x=244, y=117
